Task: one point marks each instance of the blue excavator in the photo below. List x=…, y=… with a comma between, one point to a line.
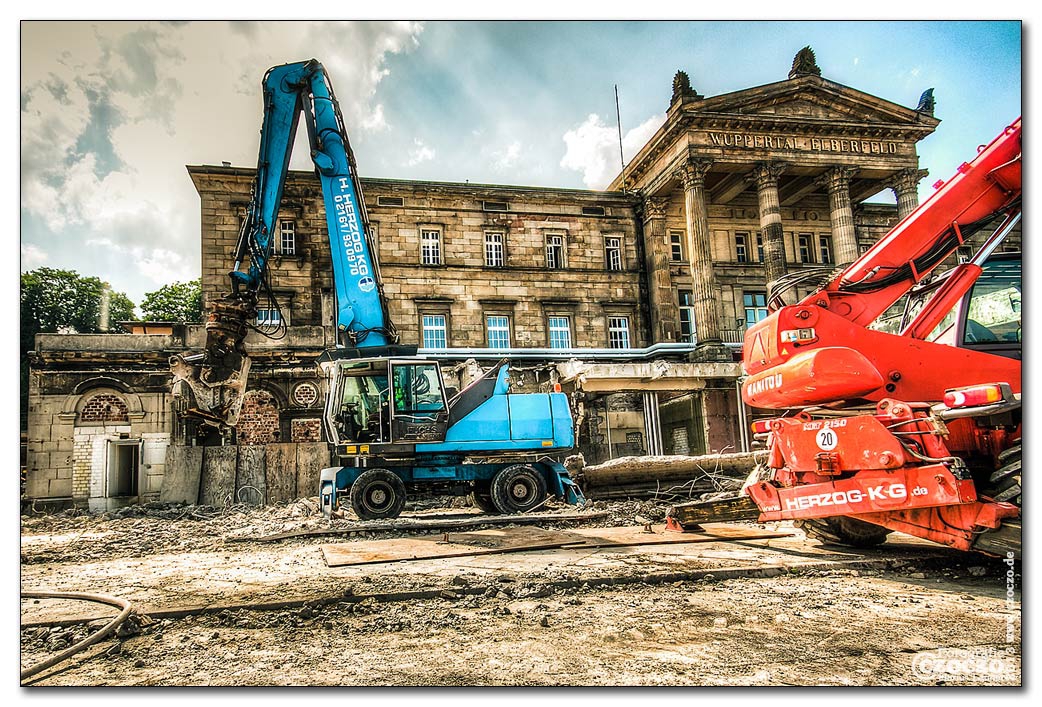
x=387, y=414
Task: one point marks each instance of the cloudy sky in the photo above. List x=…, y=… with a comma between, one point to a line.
x=111, y=112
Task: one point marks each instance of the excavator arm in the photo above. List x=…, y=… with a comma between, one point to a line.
x=217, y=377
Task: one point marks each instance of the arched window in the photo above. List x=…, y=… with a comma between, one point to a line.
x=102, y=408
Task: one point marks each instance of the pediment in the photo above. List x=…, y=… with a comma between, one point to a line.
x=808, y=99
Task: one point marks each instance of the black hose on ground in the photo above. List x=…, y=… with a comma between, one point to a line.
x=90, y=640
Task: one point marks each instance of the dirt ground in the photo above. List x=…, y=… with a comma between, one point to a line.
x=788, y=611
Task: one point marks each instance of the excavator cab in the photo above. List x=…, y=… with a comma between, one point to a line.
x=386, y=402
x=987, y=318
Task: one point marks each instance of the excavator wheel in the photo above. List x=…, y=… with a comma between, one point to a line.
x=1004, y=484
x=377, y=493
x=841, y=530
x=481, y=497
x=518, y=489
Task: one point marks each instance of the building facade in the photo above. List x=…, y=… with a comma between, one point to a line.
x=733, y=193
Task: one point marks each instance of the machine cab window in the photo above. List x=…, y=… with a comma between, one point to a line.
x=377, y=401
x=993, y=310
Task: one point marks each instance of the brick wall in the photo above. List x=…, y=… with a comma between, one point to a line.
x=305, y=430
x=104, y=407
x=259, y=419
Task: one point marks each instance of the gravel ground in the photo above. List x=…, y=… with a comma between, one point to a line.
x=917, y=622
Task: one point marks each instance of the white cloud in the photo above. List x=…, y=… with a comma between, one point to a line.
x=419, y=153
x=508, y=157
x=375, y=122
x=113, y=111
x=32, y=256
x=593, y=148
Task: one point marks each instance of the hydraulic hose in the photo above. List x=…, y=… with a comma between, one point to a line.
x=90, y=640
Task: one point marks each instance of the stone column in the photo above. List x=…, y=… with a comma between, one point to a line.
x=837, y=181
x=665, y=317
x=707, y=314
x=905, y=185
x=766, y=174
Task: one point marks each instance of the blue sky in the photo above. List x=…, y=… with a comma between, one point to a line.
x=111, y=112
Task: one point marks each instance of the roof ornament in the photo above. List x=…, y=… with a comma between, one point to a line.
x=682, y=88
x=926, y=103
x=804, y=64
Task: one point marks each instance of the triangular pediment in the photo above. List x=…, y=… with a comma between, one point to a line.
x=807, y=98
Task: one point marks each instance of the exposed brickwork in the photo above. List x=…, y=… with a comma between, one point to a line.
x=259, y=419
x=305, y=395
x=104, y=407
x=306, y=431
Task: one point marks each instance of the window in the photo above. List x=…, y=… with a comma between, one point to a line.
x=287, y=237
x=676, y=246
x=755, y=307
x=613, y=253
x=759, y=247
x=498, y=327
x=434, y=331
x=803, y=244
x=390, y=201
x=493, y=206
x=687, y=316
x=825, y=248
x=993, y=315
x=268, y=317
x=555, y=252
x=560, y=332
x=593, y=211
x=494, y=250
x=741, y=247
x=618, y=332
x=430, y=247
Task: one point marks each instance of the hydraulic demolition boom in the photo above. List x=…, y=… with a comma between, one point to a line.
x=392, y=424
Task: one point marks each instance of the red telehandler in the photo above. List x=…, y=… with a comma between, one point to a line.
x=917, y=429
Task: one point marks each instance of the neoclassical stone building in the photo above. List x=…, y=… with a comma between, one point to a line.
x=766, y=184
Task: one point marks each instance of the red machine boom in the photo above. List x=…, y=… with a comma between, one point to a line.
x=886, y=445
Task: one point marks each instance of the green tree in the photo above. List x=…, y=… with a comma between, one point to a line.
x=176, y=302
x=54, y=300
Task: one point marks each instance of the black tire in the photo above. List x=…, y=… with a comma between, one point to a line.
x=377, y=493
x=481, y=497
x=517, y=489
x=841, y=530
x=1004, y=484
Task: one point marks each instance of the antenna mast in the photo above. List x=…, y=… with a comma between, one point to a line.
x=618, y=121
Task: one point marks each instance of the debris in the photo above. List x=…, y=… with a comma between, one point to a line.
x=669, y=478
